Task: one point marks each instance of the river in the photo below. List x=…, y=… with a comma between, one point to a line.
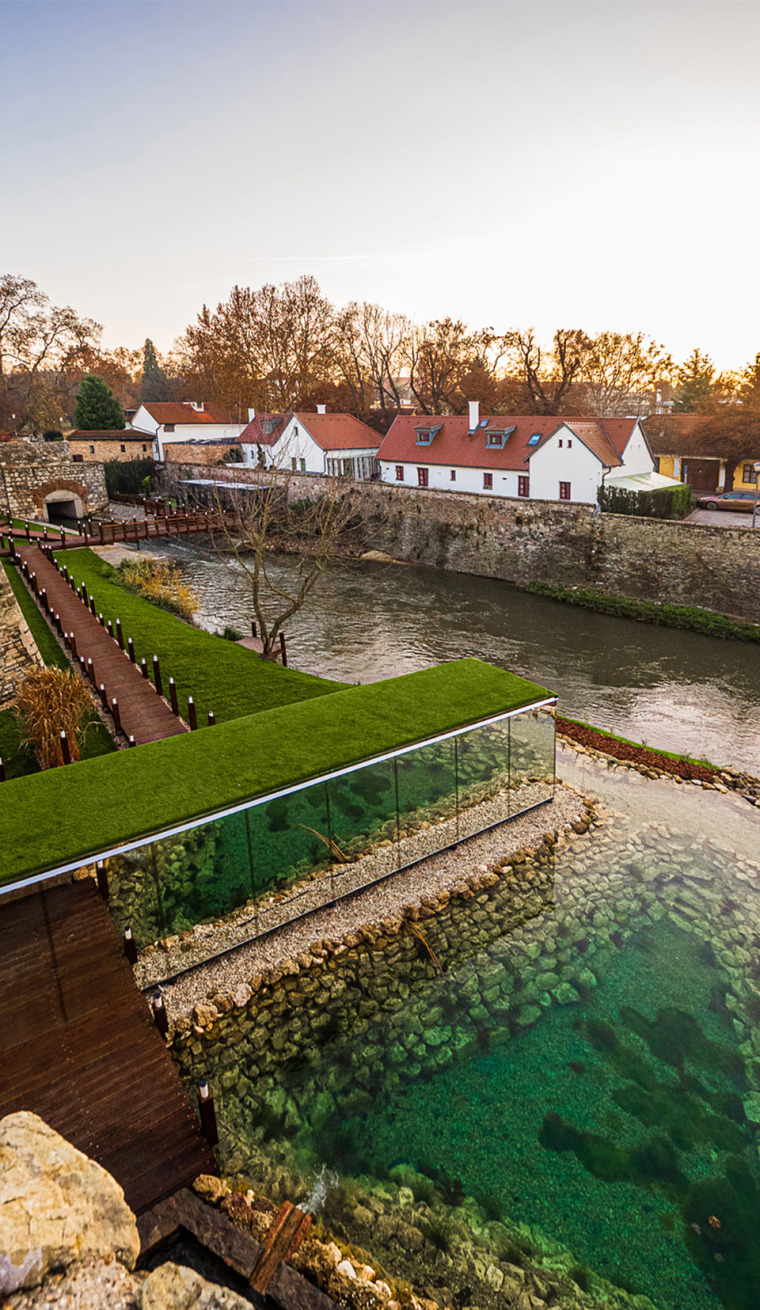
x=675, y=690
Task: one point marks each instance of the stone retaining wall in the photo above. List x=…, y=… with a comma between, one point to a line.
x=18, y=652
x=29, y=473
x=716, y=568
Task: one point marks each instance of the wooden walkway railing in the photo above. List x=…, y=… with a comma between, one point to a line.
x=140, y=712
x=111, y=533
x=78, y=1046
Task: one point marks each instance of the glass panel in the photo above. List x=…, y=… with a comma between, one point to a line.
x=134, y=895
x=289, y=837
x=427, y=800
x=363, y=812
x=203, y=873
x=483, y=772
x=532, y=758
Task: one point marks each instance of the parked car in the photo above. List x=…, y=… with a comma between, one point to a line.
x=738, y=501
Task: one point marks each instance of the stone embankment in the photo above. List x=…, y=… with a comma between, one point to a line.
x=714, y=567
x=18, y=652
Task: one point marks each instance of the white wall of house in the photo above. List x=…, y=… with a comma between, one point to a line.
x=184, y=432
x=295, y=450
x=504, y=481
x=572, y=463
x=636, y=456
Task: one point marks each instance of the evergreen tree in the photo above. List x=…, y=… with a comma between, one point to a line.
x=97, y=407
x=155, y=384
x=696, y=383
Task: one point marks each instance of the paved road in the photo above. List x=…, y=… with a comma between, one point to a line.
x=721, y=518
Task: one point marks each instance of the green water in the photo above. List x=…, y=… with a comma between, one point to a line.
x=613, y=1125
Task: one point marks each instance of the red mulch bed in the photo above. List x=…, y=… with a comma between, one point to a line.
x=622, y=750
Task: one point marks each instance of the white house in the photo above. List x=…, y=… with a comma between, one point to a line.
x=335, y=444
x=185, y=421
x=528, y=457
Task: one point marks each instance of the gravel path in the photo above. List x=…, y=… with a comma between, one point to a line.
x=447, y=871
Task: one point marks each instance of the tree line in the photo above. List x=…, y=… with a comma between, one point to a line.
x=286, y=347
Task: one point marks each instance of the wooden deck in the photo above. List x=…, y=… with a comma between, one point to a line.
x=109, y=533
x=78, y=1045
x=144, y=714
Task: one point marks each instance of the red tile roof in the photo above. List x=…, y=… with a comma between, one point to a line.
x=679, y=434
x=256, y=435
x=172, y=411
x=455, y=445
x=339, y=431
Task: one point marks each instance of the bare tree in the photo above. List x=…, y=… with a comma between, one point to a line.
x=263, y=524
x=619, y=370
x=549, y=374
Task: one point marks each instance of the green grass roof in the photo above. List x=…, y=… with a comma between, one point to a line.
x=220, y=675
x=65, y=814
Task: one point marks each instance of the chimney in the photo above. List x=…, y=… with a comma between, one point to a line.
x=251, y=415
x=321, y=409
x=474, y=414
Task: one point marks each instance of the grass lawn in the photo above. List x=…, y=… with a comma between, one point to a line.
x=76, y=813
x=17, y=760
x=96, y=740
x=220, y=675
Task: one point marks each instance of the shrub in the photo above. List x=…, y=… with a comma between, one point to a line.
x=51, y=701
x=232, y=634
x=664, y=503
x=160, y=582
x=128, y=477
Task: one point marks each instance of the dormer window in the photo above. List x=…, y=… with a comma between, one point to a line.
x=496, y=438
x=425, y=436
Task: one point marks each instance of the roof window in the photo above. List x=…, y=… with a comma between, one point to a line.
x=534, y=438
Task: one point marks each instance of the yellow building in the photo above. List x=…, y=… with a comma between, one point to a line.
x=679, y=448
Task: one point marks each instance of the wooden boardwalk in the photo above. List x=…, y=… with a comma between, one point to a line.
x=144, y=714
x=78, y=1045
x=124, y=530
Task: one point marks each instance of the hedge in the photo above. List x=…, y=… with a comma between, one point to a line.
x=664, y=503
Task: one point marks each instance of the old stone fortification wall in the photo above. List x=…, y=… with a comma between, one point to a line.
x=717, y=568
x=18, y=652
x=29, y=473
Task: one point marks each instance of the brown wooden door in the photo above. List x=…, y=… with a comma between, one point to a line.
x=701, y=474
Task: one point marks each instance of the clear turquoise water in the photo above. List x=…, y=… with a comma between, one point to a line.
x=621, y=1195
x=596, y=1065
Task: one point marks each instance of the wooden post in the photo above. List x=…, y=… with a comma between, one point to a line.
x=159, y=1014
x=103, y=695
x=63, y=538
x=109, y=629
x=157, y=676
x=27, y=530
x=116, y=714
x=173, y=696
x=254, y=632
x=73, y=644
x=131, y=741
x=43, y=600
x=130, y=945
x=283, y=1237
x=101, y=621
x=93, y=610
x=2, y=770
x=131, y=649
x=283, y=650
x=192, y=717
x=91, y=672
x=65, y=749
x=144, y=667
x=119, y=634
x=102, y=877
x=208, y=1113
x=211, y=718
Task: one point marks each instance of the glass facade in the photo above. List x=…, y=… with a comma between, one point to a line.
x=268, y=861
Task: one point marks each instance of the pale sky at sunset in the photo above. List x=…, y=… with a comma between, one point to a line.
x=584, y=165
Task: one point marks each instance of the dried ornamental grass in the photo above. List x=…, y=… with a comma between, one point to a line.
x=51, y=701
x=160, y=582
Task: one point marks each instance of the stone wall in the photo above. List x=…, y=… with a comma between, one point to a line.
x=716, y=568
x=193, y=454
x=29, y=473
x=18, y=652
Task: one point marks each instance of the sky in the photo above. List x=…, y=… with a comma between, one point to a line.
x=545, y=163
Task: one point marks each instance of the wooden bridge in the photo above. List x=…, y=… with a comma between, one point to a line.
x=78, y=1045
x=128, y=531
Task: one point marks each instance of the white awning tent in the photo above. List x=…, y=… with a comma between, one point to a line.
x=642, y=482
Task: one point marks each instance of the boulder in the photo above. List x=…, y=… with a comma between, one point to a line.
x=173, y=1287
x=56, y=1206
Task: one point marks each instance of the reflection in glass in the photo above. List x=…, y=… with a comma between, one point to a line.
x=483, y=774
x=427, y=800
x=532, y=758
